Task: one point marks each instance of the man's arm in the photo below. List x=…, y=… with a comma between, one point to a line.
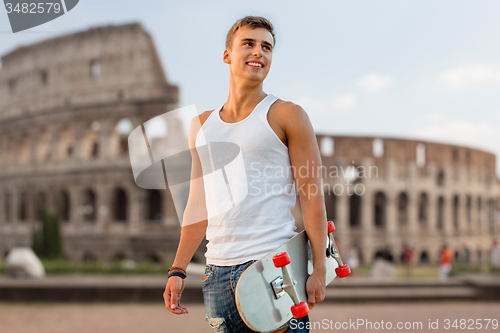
x=194, y=225
x=306, y=162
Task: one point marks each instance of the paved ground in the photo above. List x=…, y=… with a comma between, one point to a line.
x=152, y=318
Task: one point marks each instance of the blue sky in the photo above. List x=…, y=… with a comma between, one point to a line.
x=408, y=69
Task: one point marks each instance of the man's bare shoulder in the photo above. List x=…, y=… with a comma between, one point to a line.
x=288, y=111
x=204, y=116
x=200, y=119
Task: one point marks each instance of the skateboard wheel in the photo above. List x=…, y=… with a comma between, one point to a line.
x=300, y=310
x=281, y=259
x=343, y=271
x=331, y=226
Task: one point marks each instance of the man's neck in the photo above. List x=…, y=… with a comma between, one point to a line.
x=242, y=99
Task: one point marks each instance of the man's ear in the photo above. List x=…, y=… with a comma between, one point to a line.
x=226, y=56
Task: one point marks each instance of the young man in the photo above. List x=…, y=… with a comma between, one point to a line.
x=272, y=135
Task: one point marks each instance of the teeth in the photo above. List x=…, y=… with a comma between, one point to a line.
x=255, y=64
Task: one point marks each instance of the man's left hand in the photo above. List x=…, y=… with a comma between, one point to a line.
x=315, y=287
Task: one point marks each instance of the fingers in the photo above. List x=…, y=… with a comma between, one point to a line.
x=311, y=299
x=172, y=301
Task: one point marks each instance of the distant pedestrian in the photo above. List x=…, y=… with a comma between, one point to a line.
x=445, y=260
x=495, y=255
x=353, y=259
x=466, y=254
x=408, y=259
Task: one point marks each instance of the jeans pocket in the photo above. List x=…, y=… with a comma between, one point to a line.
x=206, y=277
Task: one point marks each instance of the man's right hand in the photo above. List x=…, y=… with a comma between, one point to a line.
x=172, y=295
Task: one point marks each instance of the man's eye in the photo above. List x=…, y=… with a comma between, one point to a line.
x=248, y=43
x=267, y=47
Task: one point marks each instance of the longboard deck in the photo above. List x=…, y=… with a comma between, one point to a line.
x=255, y=299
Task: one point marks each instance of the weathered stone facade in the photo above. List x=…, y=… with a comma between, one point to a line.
x=420, y=193
x=62, y=102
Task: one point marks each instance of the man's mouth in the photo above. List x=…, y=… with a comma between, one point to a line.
x=254, y=64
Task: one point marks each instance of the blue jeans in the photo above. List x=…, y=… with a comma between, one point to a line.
x=220, y=304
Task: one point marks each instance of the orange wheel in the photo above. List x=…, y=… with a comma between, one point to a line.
x=300, y=310
x=331, y=226
x=343, y=271
x=281, y=259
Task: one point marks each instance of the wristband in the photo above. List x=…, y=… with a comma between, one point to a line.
x=177, y=273
x=175, y=268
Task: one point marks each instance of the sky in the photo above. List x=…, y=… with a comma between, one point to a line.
x=426, y=70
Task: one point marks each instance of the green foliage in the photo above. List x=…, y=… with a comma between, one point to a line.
x=59, y=266
x=47, y=242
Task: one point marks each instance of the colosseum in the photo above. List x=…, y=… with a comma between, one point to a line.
x=68, y=104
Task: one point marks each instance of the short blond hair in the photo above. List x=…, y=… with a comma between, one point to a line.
x=252, y=21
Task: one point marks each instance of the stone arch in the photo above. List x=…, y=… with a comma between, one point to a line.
x=440, y=178
x=423, y=208
x=420, y=155
x=384, y=253
x=43, y=146
x=424, y=257
x=154, y=207
x=440, y=213
x=40, y=204
x=403, y=208
x=456, y=207
x=355, y=210
x=7, y=206
x=491, y=215
x=88, y=205
x=65, y=142
x=327, y=146
x=24, y=149
x=120, y=205
x=331, y=205
x=11, y=151
x=380, y=209
x=469, y=211
x=378, y=148
x=91, y=140
x=479, y=212
x=63, y=205
x=119, y=137
x=23, y=206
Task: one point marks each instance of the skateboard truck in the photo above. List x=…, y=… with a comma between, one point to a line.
x=286, y=284
x=332, y=251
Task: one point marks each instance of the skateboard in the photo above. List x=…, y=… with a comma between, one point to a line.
x=273, y=290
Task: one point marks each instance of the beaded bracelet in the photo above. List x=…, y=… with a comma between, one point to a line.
x=175, y=268
x=177, y=273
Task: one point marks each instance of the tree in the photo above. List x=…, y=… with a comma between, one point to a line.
x=47, y=243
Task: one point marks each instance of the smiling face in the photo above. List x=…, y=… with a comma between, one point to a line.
x=251, y=54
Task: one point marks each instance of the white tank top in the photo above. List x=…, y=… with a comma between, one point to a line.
x=249, y=187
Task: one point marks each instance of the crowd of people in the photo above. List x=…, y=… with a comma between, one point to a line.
x=385, y=259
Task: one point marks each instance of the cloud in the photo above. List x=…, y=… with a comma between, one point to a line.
x=345, y=102
x=460, y=77
x=375, y=82
x=481, y=135
x=329, y=104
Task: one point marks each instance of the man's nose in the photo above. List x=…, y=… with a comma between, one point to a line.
x=257, y=51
